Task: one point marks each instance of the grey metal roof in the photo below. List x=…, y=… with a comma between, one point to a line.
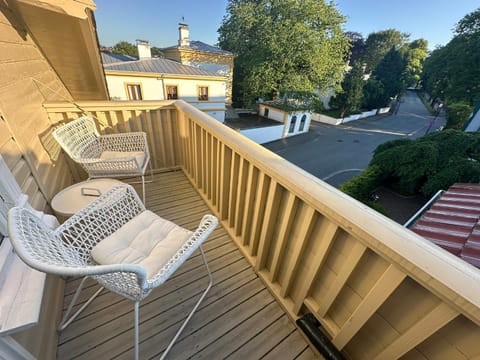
x=158, y=66
x=109, y=58
x=201, y=46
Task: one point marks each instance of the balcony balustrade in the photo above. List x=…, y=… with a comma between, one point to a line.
x=378, y=290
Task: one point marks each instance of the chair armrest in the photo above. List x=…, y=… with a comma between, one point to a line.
x=134, y=141
x=46, y=250
x=101, y=218
x=203, y=231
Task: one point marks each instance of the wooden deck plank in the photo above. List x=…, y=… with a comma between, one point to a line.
x=170, y=286
x=264, y=342
x=291, y=347
x=240, y=334
x=156, y=332
x=238, y=318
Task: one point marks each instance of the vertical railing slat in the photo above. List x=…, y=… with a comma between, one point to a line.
x=382, y=289
x=324, y=244
x=259, y=207
x=232, y=196
x=299, y=245
x=441, y=315
x=357, y=251
x=241, y=195
x=247, y=223
x=269, y=223
x=285, y=226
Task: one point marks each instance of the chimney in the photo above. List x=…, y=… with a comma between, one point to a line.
x=144, y=51
x=184, y=35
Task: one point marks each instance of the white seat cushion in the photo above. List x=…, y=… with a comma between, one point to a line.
x=113, y=155
x=147, y=240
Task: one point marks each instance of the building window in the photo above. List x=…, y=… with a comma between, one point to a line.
x=134, y=91
x=203, y=93
x=265, y=113
x=172, y=92
x=302, y=122
x=292, y=124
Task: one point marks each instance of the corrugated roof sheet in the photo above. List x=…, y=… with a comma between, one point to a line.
x=201, y=46
x=158, y=66
x=453, y=222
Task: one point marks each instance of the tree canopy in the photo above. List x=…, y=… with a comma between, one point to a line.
x=452, y=72
x=125, y=48
x=379, y=43
x=469, y=24
x=357, y=49
x=389, y=71
x=350, y=98
x=414, y=54
x=283, y=46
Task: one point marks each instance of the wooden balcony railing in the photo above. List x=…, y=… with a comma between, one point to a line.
x=379, y=290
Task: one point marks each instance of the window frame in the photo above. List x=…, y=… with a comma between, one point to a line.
x=303, y=122
x=172, y=86
x=140, y=90
x=199, y=95
x=293, y=122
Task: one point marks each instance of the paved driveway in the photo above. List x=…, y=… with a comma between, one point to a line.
x=338, y=153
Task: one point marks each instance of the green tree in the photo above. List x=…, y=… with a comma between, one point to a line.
x=469, y=24
x=379, y=43
x=457, y=114
x=357, y=49
x=156, y=52
x=452, y=72
x=415, y=54
x=389, y=72
x=374, y=95
x=350, y=97
x=283, y=45
x=125, y=48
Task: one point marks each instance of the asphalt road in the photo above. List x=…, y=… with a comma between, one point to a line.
x=335, y=154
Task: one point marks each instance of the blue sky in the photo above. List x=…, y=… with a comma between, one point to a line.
x=157, y=20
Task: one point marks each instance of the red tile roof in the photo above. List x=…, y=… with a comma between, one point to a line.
x=453, y=222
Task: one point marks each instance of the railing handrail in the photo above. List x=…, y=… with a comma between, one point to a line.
x=102, y=105
x=406, y=249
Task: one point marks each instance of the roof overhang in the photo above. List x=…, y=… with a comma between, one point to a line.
x=64, y=31
x=75, y=8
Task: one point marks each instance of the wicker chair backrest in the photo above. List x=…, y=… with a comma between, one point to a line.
x=79, y=138
x=39, y=246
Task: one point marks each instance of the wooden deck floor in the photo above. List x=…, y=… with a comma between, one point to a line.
x=239, y=318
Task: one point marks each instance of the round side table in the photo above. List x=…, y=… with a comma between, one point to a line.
x=75, y=197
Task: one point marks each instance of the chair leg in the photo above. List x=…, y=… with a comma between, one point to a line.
x=143, y=189
x=136, y=305
x=210, y=283
x=65, y=320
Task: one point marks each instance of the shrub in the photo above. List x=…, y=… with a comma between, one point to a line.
x=457, y=170
x=457, y=114
x=361, y=186
x=377, y=206
x=407, y=165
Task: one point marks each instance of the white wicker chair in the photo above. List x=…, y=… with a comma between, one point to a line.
x=95, y=242
x=113, y=155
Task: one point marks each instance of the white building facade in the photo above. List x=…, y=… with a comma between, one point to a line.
x=163, y=79
x=294, y=122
